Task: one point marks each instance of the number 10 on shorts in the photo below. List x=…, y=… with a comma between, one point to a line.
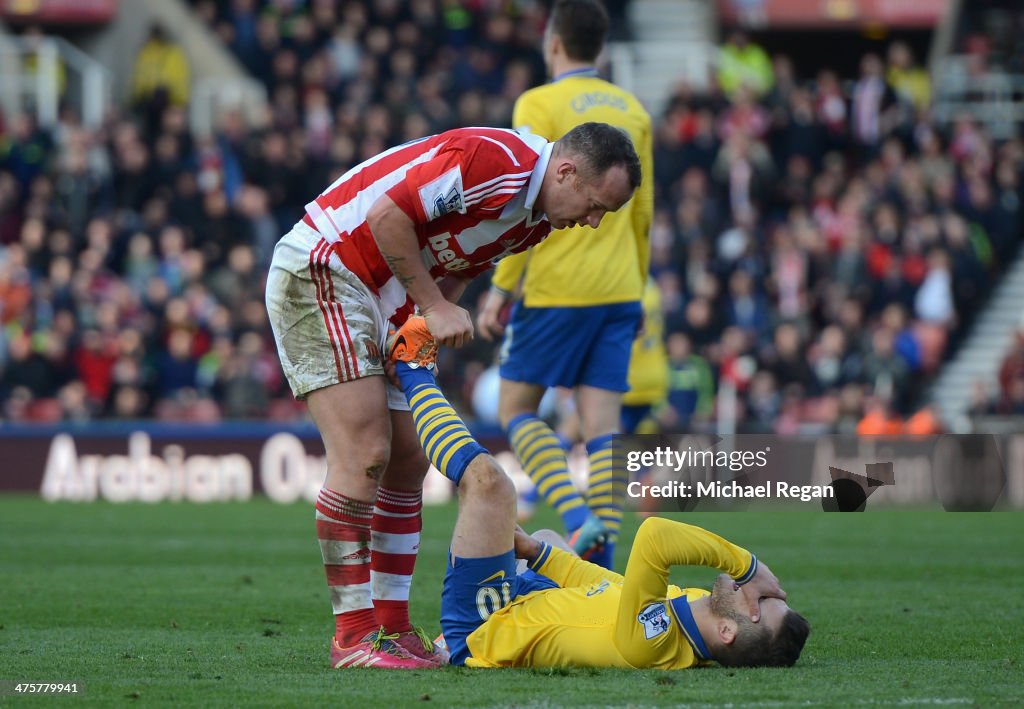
x=488, y=600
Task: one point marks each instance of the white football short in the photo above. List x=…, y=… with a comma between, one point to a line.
x=328, y=326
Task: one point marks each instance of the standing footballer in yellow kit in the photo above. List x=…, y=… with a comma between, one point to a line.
x=648, y=368
x=581, y=292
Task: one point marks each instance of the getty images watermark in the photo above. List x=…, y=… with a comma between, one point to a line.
x=734, y=461
x=831, y=473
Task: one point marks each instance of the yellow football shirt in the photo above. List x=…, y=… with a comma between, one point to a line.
x=601, y=619
x=581, y=266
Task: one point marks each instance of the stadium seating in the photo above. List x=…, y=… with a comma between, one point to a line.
x=871, y=250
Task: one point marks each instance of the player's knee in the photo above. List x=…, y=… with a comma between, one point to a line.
x=595, y=423
x=515, y=403
x=484, y=480
x=508, y=411
x=371, y=460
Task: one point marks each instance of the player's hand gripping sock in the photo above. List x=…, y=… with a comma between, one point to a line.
x=444, y=437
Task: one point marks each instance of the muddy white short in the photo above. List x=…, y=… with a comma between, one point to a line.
x=328, y=326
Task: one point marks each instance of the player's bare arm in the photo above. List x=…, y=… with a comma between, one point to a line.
x=489, y=320
x=395, y=236
x=452, y=287
x=526, y=546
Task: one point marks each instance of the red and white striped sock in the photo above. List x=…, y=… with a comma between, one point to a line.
x=395, y=541
x=343, y=528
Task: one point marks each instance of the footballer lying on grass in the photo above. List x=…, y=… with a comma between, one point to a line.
x=566, y=611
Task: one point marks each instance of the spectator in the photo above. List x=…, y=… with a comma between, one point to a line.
x=744, y=170
x=160, y=77
x=831, y=111
x=786, y=360
x=883, y=370
x=764, y=403
x=744, y=63
x=33, y=69
x=691, y=385
x=26, y=150
x=933, y=302
x=894, y=317
x=745, y=307
x=94, y=362
x=908, y=80
x=981, y=402
x=242, y=379
x=177, y=367
x=28, y=369
x=1011, y=403
x=873, y=100
x=830, y=362
x=74, y=401
x=1012, y=366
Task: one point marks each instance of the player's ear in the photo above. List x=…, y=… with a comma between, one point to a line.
x=556, y=42
x=566, y=169
x=725, y=629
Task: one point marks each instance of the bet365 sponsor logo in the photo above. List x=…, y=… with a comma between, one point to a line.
x=446, y=256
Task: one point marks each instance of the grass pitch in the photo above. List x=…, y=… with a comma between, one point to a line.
x=226, y=605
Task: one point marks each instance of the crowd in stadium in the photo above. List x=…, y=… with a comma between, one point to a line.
x=820, y=245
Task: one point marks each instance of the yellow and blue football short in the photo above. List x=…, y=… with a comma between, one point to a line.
x=476, y=588
x=588, y=345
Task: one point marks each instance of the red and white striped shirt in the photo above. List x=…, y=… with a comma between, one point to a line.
x=469, y=192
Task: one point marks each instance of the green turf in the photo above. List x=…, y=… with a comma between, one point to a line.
x=225, y=605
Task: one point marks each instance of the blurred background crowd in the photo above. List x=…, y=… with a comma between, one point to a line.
x=820, y=243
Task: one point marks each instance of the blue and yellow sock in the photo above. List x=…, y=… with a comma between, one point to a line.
x=542, y=456
x=443, y=435
x=605, y=494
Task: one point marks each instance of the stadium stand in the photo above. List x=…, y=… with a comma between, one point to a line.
x=822, y=246
x=825, y=249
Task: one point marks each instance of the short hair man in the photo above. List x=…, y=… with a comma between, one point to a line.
x=408, y=229
x=566, y=611
x=587, y=283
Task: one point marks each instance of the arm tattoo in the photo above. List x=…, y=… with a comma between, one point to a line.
x=394, y=263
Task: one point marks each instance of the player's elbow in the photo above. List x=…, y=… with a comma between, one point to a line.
x=377, y=214
x=383, y=216
x=650, y=527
